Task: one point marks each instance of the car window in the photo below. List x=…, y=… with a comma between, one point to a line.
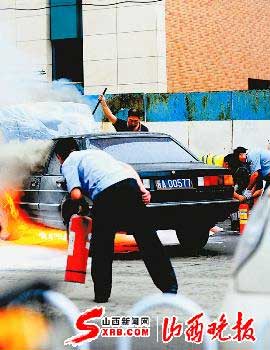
x=142, y=149
x=54, y=166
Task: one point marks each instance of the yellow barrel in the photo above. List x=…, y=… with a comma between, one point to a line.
x=212, y=159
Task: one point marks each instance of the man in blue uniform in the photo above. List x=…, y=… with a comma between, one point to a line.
x=119, y=198
x=259, y=164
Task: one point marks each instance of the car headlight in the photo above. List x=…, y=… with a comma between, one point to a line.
x=253, y=233
x=146, y=183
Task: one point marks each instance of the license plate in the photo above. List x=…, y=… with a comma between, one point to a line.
x=172, y=184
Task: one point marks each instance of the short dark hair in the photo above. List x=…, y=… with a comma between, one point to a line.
x=134, y=112
x=229, y=158
x=65, y=146
x=239, y=150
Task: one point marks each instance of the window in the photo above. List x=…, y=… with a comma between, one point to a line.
x=67, y=43
x=66, y=19
x=68, y=60
x=142, y=149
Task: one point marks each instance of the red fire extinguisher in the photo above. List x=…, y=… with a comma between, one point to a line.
x=80, y=228
x=243, y=216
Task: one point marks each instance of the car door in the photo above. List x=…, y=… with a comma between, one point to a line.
x=52, y=193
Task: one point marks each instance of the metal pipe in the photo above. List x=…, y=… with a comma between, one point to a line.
x=103, y=93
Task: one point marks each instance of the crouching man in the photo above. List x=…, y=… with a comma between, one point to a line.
x=119, y=203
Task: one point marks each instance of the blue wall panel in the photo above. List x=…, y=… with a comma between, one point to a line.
x=204, y=106
x=165, y=107
x=188, y=106
x=251, y=105
x=201, y=106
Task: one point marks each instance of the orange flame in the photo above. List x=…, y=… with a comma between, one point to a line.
x=16, y=226
x=11, y=205
x=22, y=328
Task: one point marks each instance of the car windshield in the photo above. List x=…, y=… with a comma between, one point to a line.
x=142, y=149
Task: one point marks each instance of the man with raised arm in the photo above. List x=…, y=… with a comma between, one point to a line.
x=133, y=122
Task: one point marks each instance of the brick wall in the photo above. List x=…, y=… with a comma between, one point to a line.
x=216, y=44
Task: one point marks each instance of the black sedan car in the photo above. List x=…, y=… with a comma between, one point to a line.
x=187, y=195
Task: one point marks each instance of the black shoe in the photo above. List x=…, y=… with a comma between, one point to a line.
x=101, y=300
x=172, y=290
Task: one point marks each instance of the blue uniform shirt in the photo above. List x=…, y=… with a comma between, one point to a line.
x=259, y=161
x=93, y=171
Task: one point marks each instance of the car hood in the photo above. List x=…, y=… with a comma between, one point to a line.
x=197, y=167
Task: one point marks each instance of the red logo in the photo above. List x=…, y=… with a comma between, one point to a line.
x=82, y=324
x=171, y=329
x=139, y=326
x=194, y=331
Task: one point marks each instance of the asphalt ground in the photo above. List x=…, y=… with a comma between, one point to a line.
x=202, y=278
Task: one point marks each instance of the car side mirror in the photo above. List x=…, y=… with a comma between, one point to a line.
x=61, y=184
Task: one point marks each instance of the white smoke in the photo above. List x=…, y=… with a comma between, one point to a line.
x=45, y=120
x=22, y=82
x=19, y=159
x=33, y=108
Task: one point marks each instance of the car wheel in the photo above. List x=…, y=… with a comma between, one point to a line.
x=193, y=238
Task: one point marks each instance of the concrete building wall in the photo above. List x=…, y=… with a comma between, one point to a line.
x=8, y=21
x=173, y=45
x=29, y=31
x=124, y=45
x=124, y=48
x=213, y=137
x=211, y=45
x=216, y=45
x=216, y=138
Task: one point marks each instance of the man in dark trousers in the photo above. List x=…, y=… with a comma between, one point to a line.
x=119, y=203
x=133, y=122
x=241, y=175
x=259, y=165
